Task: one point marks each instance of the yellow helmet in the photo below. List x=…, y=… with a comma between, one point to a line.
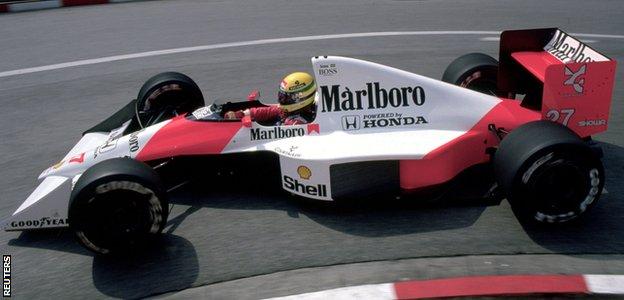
x=296, y=91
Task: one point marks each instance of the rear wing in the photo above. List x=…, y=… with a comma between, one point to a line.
x=567, y=80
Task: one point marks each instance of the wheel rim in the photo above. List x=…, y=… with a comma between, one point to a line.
x=480, y=81
x=115, y=217
x=167, y=112
x=167, y=104
x=559, y=188
x=128, y=217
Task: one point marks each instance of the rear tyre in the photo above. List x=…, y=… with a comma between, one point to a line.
x=117, y=206
x=166, y=95
x=475, y=71
x=548, y=173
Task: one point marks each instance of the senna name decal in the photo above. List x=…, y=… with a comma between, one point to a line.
x=289, y=151
x=373, y=97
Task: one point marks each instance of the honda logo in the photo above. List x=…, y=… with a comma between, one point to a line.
x=350, y=123
x=574, y=80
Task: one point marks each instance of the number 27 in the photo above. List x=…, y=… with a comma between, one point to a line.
x=554, y=115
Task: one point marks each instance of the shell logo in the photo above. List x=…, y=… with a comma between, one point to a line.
x=304, y=172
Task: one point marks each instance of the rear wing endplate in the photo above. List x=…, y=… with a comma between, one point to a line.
x=568, y=80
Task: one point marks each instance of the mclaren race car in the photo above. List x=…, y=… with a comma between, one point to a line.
x=530, y=116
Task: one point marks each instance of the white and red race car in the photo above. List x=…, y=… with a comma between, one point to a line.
x=376, y=128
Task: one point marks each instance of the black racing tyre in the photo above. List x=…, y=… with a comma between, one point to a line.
x=475, y=71
x=166, y=95
x=548, y=173
x=117, y=206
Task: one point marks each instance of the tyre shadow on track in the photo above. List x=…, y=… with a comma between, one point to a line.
x=374, y=216
x=170, y=264
x=600, y=229
x=394, y=217
x=597, y=231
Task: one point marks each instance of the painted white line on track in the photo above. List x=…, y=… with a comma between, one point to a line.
x=490, y=39
x=497, y=39
x=261, y=42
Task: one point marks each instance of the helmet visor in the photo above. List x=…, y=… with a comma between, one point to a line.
x=286, y=98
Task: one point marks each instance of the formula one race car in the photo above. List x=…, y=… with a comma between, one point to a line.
x=376, y=128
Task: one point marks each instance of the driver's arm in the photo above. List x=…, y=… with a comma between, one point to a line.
x=265, y=114
x=259, y=114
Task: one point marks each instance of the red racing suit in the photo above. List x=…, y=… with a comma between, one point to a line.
x=273, y=115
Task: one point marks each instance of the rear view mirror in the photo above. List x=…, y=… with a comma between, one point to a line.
x=254, y=95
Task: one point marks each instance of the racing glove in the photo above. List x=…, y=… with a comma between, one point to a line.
x=233, y=115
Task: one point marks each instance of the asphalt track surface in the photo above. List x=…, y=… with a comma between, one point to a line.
x=217, y=236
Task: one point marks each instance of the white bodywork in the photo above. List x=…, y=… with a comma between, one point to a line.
x=436, y=122
x=354, y=122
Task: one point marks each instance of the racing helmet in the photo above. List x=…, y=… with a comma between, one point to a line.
x=296, y=91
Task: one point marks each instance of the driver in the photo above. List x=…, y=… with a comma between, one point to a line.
x=296, y=103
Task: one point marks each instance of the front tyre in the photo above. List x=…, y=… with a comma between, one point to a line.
x=548, y=173
x=117, y=206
